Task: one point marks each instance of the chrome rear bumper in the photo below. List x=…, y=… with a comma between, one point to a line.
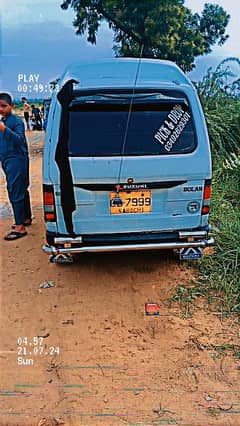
x=127, y=247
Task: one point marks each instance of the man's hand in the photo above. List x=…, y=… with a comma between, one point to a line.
x=2, y=126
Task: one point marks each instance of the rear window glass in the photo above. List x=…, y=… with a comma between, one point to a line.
x=157, y=125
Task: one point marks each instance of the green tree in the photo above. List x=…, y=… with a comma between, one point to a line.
x=164, y=29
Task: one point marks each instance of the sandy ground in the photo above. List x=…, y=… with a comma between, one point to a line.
x=83, y=352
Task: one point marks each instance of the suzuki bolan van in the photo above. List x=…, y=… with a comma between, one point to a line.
x=127, y=163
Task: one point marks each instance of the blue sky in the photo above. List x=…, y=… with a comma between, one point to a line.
x=37, y=37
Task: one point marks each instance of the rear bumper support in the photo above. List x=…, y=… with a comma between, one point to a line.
x=124, y=247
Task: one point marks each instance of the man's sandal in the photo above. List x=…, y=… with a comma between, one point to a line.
x=14, y=235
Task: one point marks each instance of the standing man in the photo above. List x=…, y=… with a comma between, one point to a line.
x=36, y=115
x=26, y=112
x=15, y=164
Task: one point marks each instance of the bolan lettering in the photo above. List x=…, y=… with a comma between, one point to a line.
x=192, y=189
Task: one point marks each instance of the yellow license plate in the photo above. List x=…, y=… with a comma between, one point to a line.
x=130, y=202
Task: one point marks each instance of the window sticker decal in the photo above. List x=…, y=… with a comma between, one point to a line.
x=172, y=127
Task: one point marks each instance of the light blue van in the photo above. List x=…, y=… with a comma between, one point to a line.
x=127, y=162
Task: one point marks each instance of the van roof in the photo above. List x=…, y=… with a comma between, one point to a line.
x=121, y=72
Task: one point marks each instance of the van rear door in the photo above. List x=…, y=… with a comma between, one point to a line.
x=135, y=162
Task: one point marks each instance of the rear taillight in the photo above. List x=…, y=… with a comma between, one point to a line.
x=49, y=204
x=206, y=197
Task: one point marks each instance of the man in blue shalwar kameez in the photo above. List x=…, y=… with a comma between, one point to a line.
x=15, y=164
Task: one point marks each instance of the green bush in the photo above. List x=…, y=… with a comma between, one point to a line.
x=219, y=92
x=221, y=103
x=220, y=272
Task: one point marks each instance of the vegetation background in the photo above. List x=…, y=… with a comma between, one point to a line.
x=219, y=91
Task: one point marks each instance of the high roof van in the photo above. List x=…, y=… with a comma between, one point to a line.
x=127, y=162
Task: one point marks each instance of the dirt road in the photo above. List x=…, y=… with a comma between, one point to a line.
x=83, y=352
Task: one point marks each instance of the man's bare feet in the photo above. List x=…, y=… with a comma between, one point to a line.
x=27, y=222
x=20, y=228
